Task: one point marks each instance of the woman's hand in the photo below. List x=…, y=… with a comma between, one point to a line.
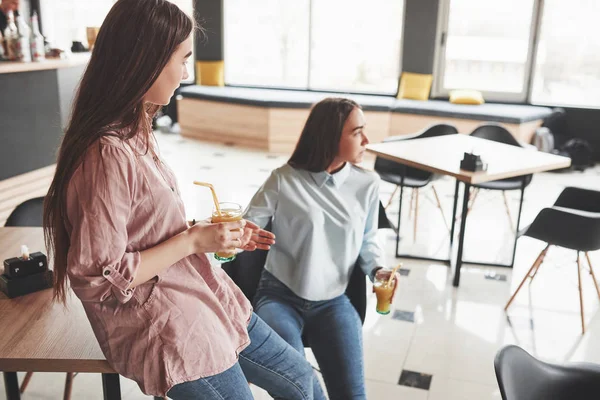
x=256, y=238
x=206, y=237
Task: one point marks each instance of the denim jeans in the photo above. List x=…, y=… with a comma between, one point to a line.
x=268, y=362
x=332, y=328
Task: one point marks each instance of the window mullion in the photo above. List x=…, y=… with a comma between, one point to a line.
x=439, y=65
x=310, y=38
x=533, y=52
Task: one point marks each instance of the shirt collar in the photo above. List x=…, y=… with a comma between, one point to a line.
x=338, y=178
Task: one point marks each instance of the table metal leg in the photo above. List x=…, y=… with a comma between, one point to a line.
x=512, y=262
x=400, y=212
x=461, y=235
x=11, y=386
x=456, y=188
x=111, y=386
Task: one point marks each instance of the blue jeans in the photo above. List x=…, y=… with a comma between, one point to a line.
x=267, y=362
x=332, y=329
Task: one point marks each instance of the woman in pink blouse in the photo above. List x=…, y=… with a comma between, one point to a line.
x=115, y=227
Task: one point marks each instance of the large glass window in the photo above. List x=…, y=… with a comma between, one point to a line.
x=64, y=21
x=339, y=45
x=355, y=45
x=266, y=42
x=486, y=46
x=567, y=66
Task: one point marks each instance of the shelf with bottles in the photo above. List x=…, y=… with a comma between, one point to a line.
x=74, y=60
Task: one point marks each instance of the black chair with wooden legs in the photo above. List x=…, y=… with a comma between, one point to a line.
x=573, y=222
x=402, y=176
x=498, y=133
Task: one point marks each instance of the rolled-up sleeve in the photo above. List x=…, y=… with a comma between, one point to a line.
x=99, y=204
x=371, y=254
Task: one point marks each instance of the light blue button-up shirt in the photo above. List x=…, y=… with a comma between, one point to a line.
x=323, y=224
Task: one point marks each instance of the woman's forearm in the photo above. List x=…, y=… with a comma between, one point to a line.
x=160, y=257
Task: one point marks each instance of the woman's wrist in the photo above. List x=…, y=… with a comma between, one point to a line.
x=185, y=242
x=373, y=272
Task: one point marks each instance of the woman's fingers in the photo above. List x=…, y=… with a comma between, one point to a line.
x=268, y=237
x=267, y=234
x=258, y=230
x=262, y=246
x=263, y=240
x=251, y=225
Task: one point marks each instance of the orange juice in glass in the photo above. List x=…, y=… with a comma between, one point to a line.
x=384, y=290
x=229, y=212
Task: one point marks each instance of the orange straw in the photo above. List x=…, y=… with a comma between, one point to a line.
x=389, y=282
x=214, y=194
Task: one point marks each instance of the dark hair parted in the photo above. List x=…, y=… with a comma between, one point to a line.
x=319, y=142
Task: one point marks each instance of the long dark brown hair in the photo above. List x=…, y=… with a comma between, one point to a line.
x=320, y=138
x=134, y=44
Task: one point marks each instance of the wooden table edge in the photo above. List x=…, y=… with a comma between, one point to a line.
x=56, y=365
x=472, y=179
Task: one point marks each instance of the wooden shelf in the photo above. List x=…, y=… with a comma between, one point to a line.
x=10, y=67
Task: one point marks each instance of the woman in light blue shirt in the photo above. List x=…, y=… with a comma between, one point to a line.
x=324, y=211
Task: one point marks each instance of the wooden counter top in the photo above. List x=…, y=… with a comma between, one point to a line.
x=9, y=67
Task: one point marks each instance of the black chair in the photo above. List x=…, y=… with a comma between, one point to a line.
x=573, y=222
x=384, y=222
x=403, y=176
x=522, y=377
x=498, y=133
x=28, y=213
x=245, y=270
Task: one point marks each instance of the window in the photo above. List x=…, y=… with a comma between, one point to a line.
x=336, y=45
x=485, y=45
x=266, y=42
x=568, y=55
x=355, y=45
x=64, y=21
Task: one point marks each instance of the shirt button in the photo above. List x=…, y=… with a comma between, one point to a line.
x=106, y=273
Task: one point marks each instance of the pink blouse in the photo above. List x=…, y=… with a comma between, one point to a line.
x=186, y=323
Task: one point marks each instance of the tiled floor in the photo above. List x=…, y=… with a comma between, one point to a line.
x=447, y=337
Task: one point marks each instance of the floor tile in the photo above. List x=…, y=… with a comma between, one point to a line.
x=387, y=391
x=417, y=380
x=408, y=316
x=452, y=389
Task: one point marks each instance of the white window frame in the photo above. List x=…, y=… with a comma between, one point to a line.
x=440, y=52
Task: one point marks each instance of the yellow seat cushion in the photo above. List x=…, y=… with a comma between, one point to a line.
x=414, y=86
x=210, y=73
x=463, y=96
